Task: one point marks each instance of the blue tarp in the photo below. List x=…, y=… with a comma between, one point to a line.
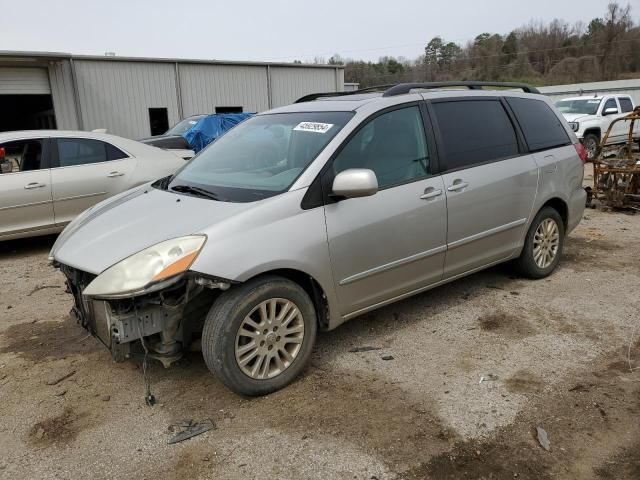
x=211, y=127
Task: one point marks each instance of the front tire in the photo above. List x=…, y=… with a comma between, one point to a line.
x=543, y=245
x=591, y=143
x=258, y=336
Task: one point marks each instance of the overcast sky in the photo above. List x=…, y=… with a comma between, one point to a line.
x=280, y=30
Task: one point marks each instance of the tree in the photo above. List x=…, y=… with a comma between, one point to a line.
x=432, y=51
x=336, y=59
x=510, y=48
x=603, y=48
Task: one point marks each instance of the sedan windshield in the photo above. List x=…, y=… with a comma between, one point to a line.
x=586, y=106
x=183, y=126
x=259, y=158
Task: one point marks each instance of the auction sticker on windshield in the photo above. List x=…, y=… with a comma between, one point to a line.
x=313, y=127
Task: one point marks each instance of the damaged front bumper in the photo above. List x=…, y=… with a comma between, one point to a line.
x=165, y=323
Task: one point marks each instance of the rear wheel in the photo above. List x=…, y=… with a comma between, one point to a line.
x=259, y=336
x=543, y=245
x=591, y=144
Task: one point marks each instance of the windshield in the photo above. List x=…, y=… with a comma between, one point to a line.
x=587, y=106
x=261, y=157
x=183, y=126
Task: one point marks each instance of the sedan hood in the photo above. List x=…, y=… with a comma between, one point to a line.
x=127, y=224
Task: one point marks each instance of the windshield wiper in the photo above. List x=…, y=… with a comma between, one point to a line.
x=200, y=192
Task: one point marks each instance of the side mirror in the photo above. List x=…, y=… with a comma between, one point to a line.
x=610, y=111
x=354, y=183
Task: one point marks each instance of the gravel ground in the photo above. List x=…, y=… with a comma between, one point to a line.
x=477, y=365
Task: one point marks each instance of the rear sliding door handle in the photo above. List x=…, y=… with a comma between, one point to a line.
x=115, y=174
x=457, y=186
x=31, y=186
x=430, y=193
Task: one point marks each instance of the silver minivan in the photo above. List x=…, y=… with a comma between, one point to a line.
x=306, y=216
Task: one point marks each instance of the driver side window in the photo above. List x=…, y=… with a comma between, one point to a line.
x=611, y=103
x=393, y=145
x=21, y=156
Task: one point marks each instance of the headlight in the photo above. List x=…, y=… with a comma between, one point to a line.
x=148, y=270
x=575, y=126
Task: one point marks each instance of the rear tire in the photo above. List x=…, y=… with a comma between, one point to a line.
x=543, y=245
x=250, y=325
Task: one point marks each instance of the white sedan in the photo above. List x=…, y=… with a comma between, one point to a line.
x=47, y=177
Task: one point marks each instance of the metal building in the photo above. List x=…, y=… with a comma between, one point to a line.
x=138, y=97
x=620, y=87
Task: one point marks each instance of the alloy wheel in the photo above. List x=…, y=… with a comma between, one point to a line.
x=546, y=242
x=269, y=338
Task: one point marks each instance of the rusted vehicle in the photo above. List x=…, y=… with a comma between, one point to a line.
x=616, y=171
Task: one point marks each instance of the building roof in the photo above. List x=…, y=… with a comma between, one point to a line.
x=25, y=56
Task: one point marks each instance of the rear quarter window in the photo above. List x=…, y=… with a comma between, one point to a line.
x=541, y=127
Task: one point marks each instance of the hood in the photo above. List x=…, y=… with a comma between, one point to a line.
x=127, y=224
x=166, y=141
x=575, y=117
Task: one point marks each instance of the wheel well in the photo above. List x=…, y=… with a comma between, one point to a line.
x=595, y=131
x=561, y=207
x=313, y=289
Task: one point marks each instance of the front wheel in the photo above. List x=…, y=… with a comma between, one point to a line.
x=543, y=245
x=591, y=144
x=258, y=337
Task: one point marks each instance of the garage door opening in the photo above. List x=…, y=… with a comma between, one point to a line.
x=26, y=112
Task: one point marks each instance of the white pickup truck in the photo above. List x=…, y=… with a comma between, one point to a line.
x=590, y=117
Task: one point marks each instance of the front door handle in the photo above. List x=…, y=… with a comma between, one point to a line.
x=32, y=185
x=115, y=174
x=430, y=193
x=457, y=185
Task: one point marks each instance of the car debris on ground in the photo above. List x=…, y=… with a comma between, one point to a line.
x=187, y=429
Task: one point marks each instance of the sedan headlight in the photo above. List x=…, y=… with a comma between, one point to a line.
x=575, y=126
x=149, y=270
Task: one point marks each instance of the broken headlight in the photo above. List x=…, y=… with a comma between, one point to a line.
x=149, y=270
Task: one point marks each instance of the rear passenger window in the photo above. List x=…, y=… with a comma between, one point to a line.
x=474, y=131
x=625, y=104
x=84, y=151
x=541, y=127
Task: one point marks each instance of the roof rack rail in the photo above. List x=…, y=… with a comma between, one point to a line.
x=404, y=88
x=315, y=96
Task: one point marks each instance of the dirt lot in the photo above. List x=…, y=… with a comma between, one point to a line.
x=562, y=354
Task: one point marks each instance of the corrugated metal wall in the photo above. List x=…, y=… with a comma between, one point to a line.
x=63, y=95
x=117, y=95
x=24, y=81
x=205, y=87
x=290, y=83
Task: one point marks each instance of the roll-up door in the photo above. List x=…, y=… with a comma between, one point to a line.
x=24, y=81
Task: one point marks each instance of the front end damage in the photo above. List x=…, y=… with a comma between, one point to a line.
x=165, y=323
